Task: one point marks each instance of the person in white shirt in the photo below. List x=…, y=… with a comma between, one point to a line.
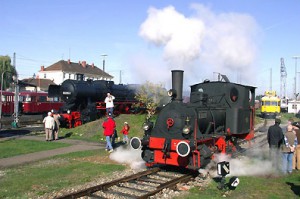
x=109, y=101
x=49, y=126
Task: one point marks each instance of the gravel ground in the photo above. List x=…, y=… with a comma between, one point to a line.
x=182, y=189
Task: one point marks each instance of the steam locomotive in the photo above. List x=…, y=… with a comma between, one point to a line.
x=84, y=100
x=190, y=134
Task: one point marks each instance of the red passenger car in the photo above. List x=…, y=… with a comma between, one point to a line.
x=38, y=102
x=7, y=103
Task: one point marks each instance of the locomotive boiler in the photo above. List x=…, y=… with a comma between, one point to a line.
x=86, y=98
x=189, y=134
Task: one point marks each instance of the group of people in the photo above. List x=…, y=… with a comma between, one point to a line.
x=285, y=143
x=109, y=125
x=51, y=123
x=110, y=132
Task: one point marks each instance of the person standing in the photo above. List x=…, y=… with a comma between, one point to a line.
x=109, y=126
x=56, y=118
x=289, y=122
x=275, y=139
x=288, y=149
x=296, y=156
x=125, y=131
x=109, y=102
x=49, y=126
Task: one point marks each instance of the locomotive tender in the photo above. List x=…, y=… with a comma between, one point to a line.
x=189, y=134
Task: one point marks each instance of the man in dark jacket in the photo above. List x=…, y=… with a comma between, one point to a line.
x=275, y=139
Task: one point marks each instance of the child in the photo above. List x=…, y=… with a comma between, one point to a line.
x=125, y=131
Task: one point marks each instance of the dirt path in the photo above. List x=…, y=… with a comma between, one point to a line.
x=77, y=145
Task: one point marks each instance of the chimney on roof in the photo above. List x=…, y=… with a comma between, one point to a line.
x=42, y=68
x=69, y=61
x=84, y=64
x=93, y=66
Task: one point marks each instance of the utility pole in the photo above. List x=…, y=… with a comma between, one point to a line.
x=14, y=61
x=283, y=76
x=16, y=102
x=295, y=88
x=270, y=79
x=120, y=76
x=104, y=55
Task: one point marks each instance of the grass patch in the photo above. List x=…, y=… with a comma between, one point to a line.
x=93, y=131
x=254, y=187
x=13, y=147
x=54, y=174
x=286, y=116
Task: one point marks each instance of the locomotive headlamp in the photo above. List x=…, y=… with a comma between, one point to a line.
x=172, y=93
x=186, y=130
x=147, y=126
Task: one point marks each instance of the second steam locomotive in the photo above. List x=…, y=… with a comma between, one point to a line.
x=189, y=134
x=84, y=100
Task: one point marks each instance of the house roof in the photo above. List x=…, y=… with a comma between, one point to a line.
x=42, y=83
x=80, y=67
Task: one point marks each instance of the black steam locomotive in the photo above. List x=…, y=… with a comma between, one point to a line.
x=85, y=99
x=189, y=134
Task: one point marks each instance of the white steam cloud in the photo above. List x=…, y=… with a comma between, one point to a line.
x=255, y=163
x=201, y=44
x=129, y=157
x=180, y=36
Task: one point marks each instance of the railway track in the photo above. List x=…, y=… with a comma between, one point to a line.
x=24, y=121
x=146, y=183
x=141, y=185
x=258, y=141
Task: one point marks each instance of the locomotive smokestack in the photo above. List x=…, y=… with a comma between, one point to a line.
x=177, y=83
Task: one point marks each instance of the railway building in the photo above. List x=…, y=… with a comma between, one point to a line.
x=36, y=84
x=64, y=70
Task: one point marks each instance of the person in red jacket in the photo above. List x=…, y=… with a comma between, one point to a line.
x=109, y=126
x=125, y=131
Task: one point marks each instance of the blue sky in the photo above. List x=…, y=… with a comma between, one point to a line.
x=144, y=40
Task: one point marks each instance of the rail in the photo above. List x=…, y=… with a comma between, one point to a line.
x=161, y=182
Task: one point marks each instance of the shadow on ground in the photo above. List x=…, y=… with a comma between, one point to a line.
x=12, y=133
x=294, y=188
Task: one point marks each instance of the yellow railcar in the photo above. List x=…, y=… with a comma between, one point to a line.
x=270, y=105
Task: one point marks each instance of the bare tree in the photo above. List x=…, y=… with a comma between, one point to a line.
x=152, y=95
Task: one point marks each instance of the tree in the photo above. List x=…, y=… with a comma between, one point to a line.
x=152, y=95
x=8, y=70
